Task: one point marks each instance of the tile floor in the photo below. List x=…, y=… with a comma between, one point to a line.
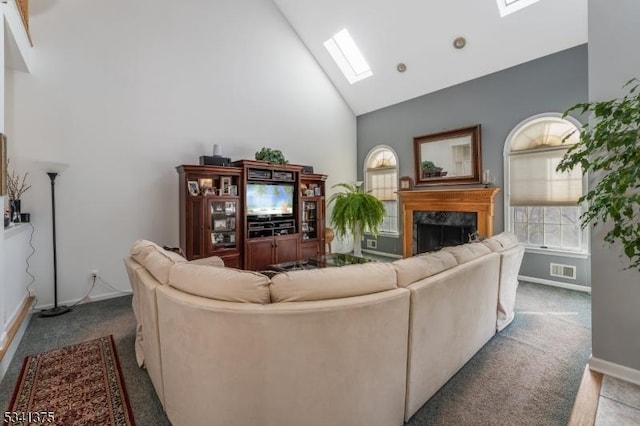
x=619, y=403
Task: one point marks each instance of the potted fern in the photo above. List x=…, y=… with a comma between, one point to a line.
x=609, y=147
x=354, y=212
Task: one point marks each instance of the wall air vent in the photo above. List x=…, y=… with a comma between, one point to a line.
x=562, y=271
x=372, y=243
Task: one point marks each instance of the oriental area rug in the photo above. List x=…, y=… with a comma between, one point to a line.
x=79, y=384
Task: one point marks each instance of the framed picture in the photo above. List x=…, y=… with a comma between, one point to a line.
x=194, y=188
x=317, y=191
x=305, y=226
x=225, y=182
x=231, y=223
x=229, y=207
x=205, y=184
x=233, y=189
x=448, y=158
x=220, y=224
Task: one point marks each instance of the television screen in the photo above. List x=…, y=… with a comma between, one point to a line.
x=269, y=199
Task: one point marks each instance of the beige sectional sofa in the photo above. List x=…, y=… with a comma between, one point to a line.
x=364, y=344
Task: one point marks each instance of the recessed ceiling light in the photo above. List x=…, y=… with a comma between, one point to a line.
x=348, y=57
x=459, y=42
x=401, y=67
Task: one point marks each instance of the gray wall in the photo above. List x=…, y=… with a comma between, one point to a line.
x=614, y=35
x=536, y=265
x=497, y=101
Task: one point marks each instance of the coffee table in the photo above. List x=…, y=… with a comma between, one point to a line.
x=324, y=261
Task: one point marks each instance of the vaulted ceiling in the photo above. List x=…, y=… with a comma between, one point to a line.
x=420, y=34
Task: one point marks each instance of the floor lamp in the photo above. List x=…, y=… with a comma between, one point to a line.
x=53, y=170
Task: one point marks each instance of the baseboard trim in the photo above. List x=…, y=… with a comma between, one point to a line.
x=14, y=334
x=88, y=299
x=615, y=370
x=552, y=283
x=585, y=406
x=383, y=254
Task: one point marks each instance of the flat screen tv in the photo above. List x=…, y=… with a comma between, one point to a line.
x=269, y=199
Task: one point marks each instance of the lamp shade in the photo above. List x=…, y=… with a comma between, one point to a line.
x=52, y=167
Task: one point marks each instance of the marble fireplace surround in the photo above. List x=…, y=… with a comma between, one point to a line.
x=474, y=200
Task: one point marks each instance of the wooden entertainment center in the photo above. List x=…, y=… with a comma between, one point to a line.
x=252, y=213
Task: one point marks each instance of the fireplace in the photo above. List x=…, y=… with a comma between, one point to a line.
x=434, y=230
x=477, y=202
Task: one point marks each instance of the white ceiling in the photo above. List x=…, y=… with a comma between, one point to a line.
x=420, y=33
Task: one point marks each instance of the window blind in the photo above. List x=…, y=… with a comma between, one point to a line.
x=383, y=183
x=534, y=181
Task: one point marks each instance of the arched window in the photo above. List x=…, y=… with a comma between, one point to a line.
x=381, y=178
x=541, y=204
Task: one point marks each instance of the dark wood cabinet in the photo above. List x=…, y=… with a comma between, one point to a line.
x=261, y=252
x=312, y=214
x=272, y=220
x=194, y=227
x=252, y=213
x=210, y=213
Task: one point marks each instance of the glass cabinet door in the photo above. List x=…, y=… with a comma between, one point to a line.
x=309, y=226
x=223, y=224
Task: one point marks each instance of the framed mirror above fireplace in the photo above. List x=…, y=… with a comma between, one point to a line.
x=452, y=157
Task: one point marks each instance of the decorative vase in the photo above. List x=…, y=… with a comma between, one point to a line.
x=14, y=206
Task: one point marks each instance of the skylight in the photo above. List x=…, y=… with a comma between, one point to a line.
x=509, y=6
x=348, y=57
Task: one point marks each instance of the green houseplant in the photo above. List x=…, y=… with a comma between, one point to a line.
x=355, y=210
x=609, y=147
x=273, y=156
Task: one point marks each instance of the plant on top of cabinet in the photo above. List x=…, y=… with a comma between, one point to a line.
x=273, y=156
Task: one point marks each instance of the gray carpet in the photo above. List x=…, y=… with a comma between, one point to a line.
x=526, y=375
x=85, y=322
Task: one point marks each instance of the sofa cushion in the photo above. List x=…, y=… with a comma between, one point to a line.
x=492, y=244
x=466, y=252
x=226, y=284
x=333, y=282
x=507, y=239
x=141, y=249
x=415, y=268
x=501, y=241
x=155, y=259
x=208, y=261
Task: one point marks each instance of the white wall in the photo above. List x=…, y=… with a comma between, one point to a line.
x=614, y=35
x=125, y=91
x=3, y=281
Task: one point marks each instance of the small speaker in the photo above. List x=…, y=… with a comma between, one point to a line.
x=206, y=160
